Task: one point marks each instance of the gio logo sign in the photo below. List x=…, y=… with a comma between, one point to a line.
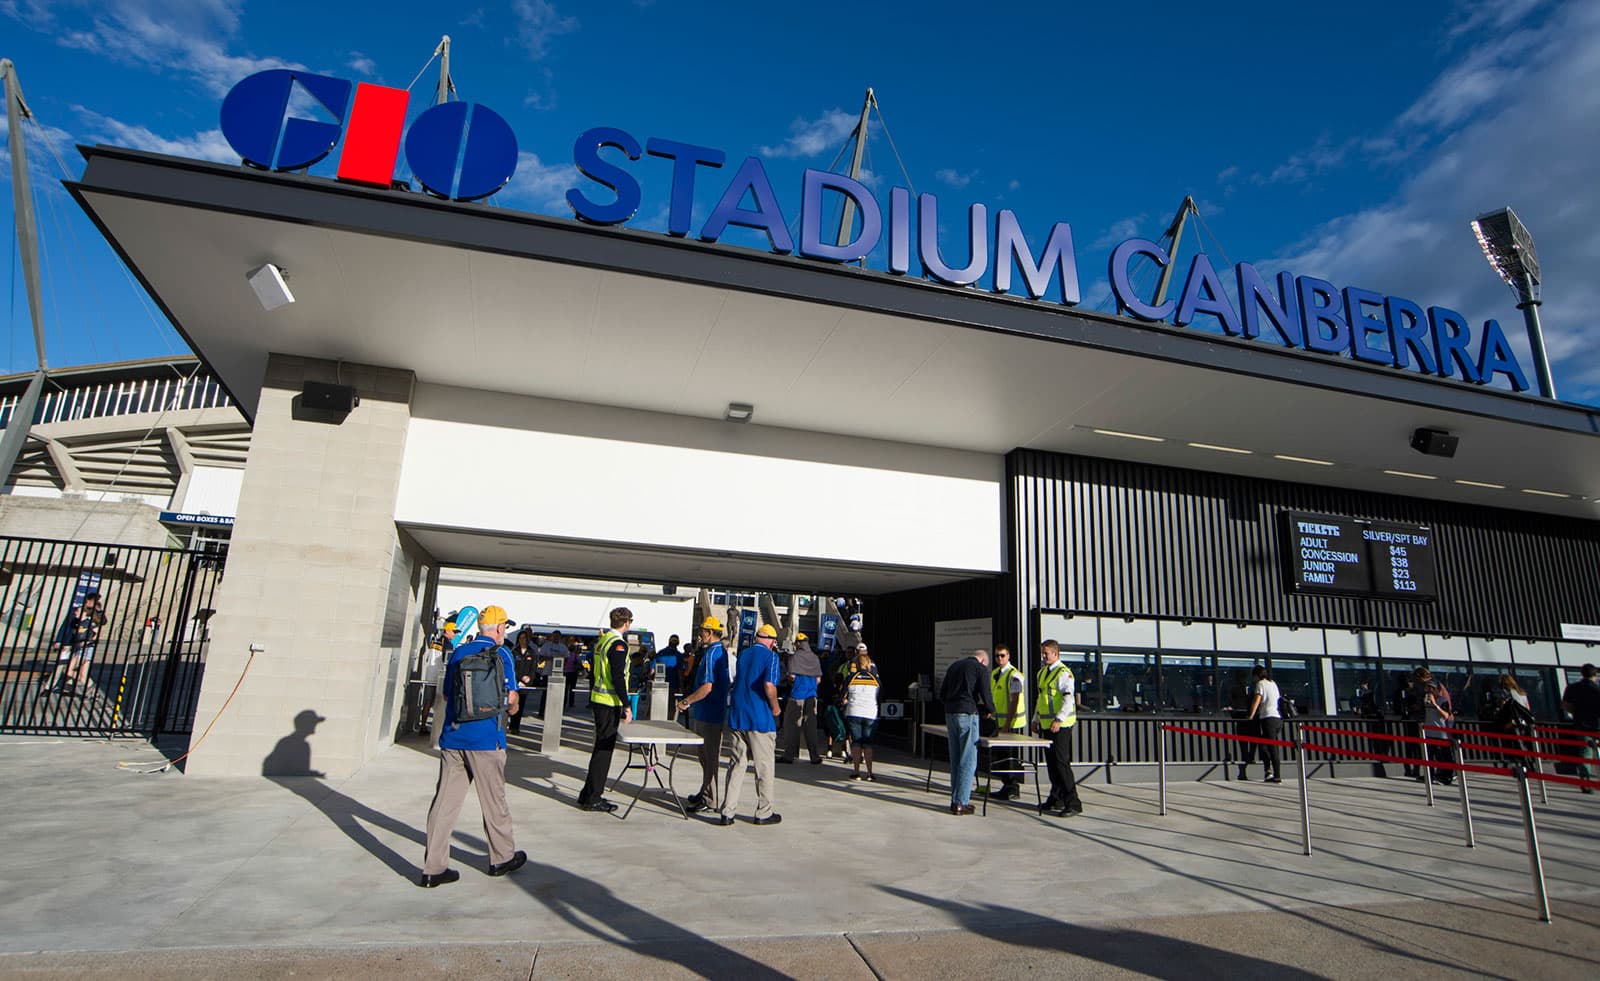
x=458, y=150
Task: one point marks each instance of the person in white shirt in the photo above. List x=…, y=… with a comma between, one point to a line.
x=1264, y=709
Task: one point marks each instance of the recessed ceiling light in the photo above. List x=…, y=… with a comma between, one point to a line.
x=1113, y=432
x=1407, y=473
x=1479, y=483
x=739, y=412
x=1302, y=459
x=1219, y=449
x=1543, y=493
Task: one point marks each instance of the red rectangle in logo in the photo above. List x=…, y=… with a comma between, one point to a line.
x=372, y=136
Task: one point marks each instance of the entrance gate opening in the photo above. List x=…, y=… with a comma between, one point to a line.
x=145, y=661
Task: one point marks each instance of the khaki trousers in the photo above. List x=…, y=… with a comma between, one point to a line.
x=485, y=770
x=800, y=715
x=710, y=757
x=756, y=747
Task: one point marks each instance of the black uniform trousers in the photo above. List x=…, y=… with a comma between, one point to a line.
x=1058, y=763
x=607, y=718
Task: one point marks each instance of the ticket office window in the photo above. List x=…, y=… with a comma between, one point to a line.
x=1300, y=680
x=1543, y=688
x=1130, y=682
x=1358, y=689
x=1483, y=692
x=1234, y=683
x=1085, y=668
x=1456, y=676
x=1399, y=699
x=1188, y=684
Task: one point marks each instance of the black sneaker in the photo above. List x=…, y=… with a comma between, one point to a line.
x=774, y=819
x=602, y=805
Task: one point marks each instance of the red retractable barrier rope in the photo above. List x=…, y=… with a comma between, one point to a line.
x=1491, y=734
x=1569, y=731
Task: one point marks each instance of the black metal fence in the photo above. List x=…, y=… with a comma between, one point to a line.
x=141, y=673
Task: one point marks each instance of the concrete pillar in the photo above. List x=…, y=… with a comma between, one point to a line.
x=318, y=575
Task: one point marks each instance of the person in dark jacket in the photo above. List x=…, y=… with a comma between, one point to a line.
x=526, y=658
x=966, y=698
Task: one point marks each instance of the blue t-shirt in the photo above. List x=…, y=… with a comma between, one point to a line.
x=748, y=708
x=805, y=687
x=711, y=665
x=483, y=733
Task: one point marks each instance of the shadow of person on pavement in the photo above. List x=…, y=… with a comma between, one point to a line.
x=1132, y=950
x=289, y=766
x=603, y=914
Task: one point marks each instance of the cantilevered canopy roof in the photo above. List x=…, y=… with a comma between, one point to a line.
x=563, y=310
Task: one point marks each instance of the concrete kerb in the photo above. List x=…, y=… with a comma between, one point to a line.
x=317, y=864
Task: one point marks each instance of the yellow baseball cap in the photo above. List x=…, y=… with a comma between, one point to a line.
x=711, y=623
x=800, y=637
x=493, y=615
x=766, y=631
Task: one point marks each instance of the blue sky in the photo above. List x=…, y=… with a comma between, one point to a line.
x=1353, y=143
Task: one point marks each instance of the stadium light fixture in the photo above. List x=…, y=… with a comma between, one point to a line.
x=1508, y=246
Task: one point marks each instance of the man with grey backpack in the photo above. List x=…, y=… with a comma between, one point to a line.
x=480, y=687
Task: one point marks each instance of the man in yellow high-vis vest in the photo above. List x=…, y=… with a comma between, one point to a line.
x=1007, y=687
x=1057, y=715
x=608, y=698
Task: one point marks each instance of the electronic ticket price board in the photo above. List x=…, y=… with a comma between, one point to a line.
x=1351, y=557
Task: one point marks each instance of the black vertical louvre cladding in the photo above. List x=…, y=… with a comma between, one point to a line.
x=1106, y=536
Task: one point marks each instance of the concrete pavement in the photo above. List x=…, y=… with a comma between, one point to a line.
x=162, y=875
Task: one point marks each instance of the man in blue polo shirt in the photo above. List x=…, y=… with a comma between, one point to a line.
x=753, y=724
x=707, y=705
x=473, y=752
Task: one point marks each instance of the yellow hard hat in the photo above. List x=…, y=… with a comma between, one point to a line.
x=493, y=615
x=766, y=631
x=711, y=623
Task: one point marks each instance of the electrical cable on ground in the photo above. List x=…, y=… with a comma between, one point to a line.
x=130, y=765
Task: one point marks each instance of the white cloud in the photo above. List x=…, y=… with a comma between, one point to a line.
x=42, y=165
x=205, y=145
x=1120, y=231
x=1532, y=146
x=537, y=186
x=538, y=23
x=187, y=36
x=1013, y=184
x=1227, y=174
x=951, y=177
x=361, y=64
x=809, y=137
x=1306, y=164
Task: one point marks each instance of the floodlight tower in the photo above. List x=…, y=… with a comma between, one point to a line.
x=1509, y=248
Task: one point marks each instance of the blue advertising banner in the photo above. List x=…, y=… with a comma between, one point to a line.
x=88, y=582
x=829, y=633
x=190, y=518
x=466, y=622
x=747, y=628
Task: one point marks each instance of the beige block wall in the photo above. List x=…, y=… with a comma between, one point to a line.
x=309, y=570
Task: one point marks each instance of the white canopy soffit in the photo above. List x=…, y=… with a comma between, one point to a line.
x=479, y=296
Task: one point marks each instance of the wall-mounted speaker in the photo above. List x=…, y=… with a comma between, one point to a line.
x=329, y=398
x=1434, y=442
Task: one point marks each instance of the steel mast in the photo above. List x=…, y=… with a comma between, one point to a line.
x=21, y=422
x=847, y=217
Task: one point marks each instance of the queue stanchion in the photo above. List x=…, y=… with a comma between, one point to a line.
x=1538, y=767
x=1466, y=798
x=1305, y=793
x=1161, y=767
x=1530, y=832
x=1427, y=767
